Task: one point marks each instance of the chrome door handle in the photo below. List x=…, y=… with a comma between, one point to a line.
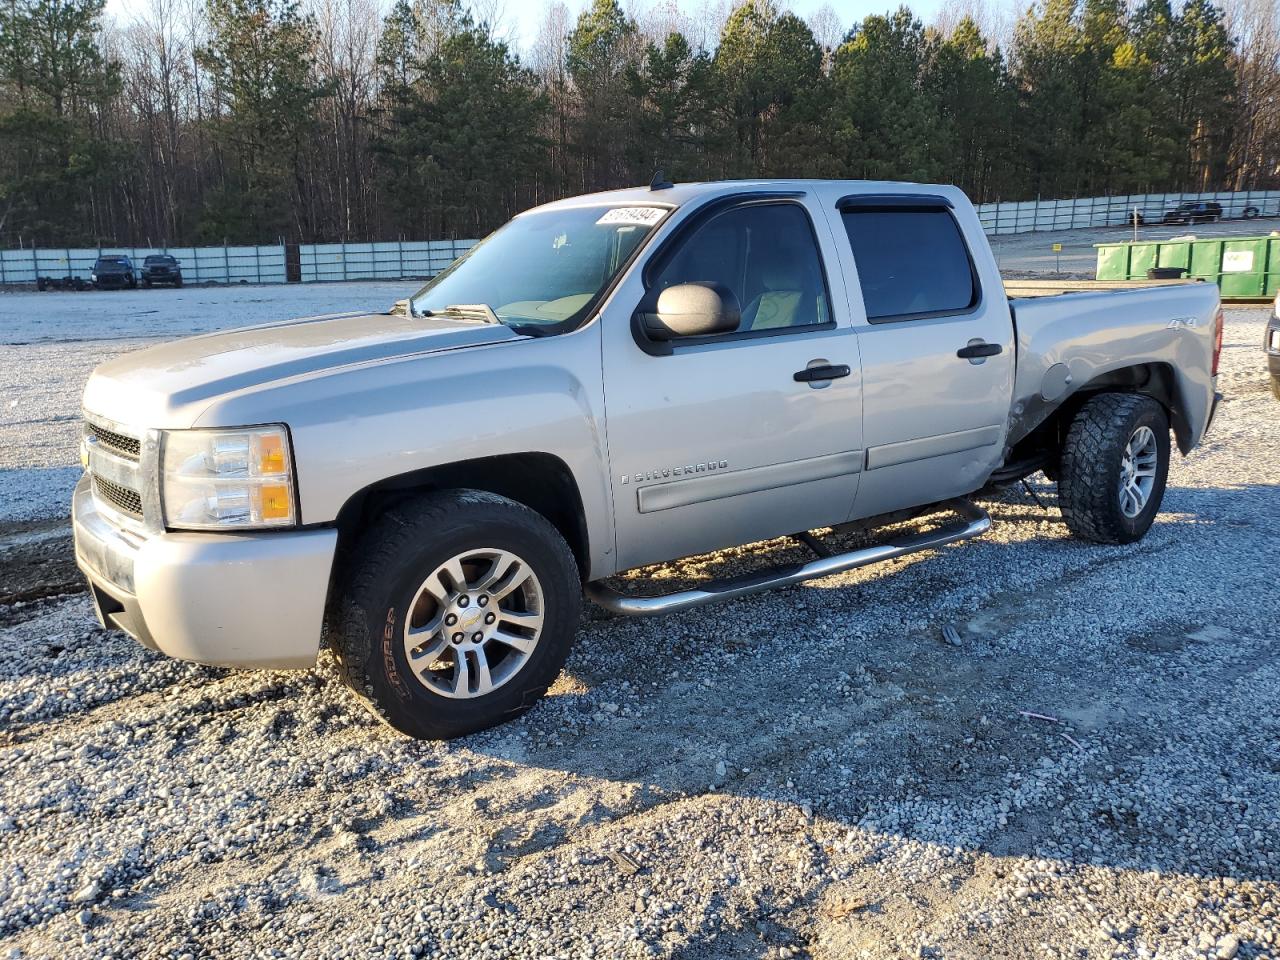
x=828, y=371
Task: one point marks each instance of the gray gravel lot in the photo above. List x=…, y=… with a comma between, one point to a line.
x=809, y=773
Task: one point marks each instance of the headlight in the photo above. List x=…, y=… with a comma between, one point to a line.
x=93, y=276
x=224, y=479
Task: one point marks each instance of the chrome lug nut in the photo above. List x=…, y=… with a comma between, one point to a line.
x=477, y=637
x=451, y=619
x=463, y=600
x=484, y=600
x=489, y=618
x=457, y=638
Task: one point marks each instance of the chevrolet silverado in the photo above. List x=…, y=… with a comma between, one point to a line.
x=607, y=382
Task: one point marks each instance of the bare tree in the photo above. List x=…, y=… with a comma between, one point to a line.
x=1256, y=146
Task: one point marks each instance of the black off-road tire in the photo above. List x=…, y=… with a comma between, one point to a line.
x=1088, y=483
x=379, y=579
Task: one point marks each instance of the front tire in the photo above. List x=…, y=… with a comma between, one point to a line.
x=458, y=611
x=1115, y=464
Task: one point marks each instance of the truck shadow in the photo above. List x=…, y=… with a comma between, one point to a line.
x=1088, y=717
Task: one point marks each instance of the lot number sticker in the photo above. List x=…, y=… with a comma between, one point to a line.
x=1237, y=261
x=645, y=216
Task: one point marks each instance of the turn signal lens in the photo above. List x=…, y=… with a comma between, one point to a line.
x=271, y=454
x=275, y=502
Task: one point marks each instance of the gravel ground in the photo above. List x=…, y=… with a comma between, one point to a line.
x=31, y=317
x=814, y=772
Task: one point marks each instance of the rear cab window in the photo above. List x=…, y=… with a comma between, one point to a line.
x=911, y=258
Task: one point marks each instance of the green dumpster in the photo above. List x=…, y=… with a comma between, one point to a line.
x=1242, y=267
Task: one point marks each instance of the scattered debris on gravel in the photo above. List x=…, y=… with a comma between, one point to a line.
x=1019, y=746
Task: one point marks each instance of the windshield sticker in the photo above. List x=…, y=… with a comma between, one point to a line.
x=646, y=216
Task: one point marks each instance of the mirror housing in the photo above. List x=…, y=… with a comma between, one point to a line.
x=699, y=309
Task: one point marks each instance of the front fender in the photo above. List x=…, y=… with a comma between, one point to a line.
x=356, y=426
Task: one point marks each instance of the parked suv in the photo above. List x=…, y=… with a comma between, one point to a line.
x=161, y=268
x=1194, y=211
x=113, y=272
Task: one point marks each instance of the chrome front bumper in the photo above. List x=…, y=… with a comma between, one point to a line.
x=233, y=600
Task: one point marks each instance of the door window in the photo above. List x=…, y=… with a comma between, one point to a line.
x=911, y=263
x=767, y=255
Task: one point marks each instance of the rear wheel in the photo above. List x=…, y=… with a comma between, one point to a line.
x=1115, y=463
x=458, y=612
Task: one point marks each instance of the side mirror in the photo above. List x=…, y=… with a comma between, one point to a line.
x=693, y=310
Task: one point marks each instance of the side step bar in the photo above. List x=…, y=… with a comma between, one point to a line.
x=974, y=522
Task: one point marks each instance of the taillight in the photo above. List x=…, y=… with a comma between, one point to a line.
x=1218, y=322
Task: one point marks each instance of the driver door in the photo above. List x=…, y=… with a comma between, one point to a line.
x=717, y=442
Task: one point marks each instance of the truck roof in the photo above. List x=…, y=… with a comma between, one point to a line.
x=682, y=193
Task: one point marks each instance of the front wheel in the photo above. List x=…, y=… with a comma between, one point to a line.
x=458, y=612
x=1115, y=463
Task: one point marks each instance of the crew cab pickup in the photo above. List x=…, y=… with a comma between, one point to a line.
x=607, y=382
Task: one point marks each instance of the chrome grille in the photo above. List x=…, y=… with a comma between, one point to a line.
x=122, y=498
x=117, y=443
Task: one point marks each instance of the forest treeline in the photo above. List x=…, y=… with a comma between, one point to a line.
x=249, y=120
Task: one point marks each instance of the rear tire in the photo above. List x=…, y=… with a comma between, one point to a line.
x=491, y=663
x=1115, y=463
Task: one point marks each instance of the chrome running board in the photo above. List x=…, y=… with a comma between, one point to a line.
x=974, y=522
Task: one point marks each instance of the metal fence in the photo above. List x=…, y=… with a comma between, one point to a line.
x=1031, y=215
x=199, y=264
x=322, y=262
x=326, y=262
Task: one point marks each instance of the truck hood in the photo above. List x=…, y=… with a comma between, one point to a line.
x=169, y=385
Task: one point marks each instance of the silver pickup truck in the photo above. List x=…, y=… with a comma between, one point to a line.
x=607, y=382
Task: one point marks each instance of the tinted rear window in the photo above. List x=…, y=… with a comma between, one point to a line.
x=910, y=263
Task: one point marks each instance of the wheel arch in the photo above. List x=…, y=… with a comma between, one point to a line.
x=540, y=481
x=1153, y=379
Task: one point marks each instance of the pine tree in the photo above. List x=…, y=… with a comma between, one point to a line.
x=260, y=55
x=53, y=161
x=885, y=125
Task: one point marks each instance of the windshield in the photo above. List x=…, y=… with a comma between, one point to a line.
x=543, y=272
x=158, y=261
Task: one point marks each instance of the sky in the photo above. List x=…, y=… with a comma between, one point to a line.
x=518, y=20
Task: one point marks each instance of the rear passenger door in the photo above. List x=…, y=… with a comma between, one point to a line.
x=937, y=347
